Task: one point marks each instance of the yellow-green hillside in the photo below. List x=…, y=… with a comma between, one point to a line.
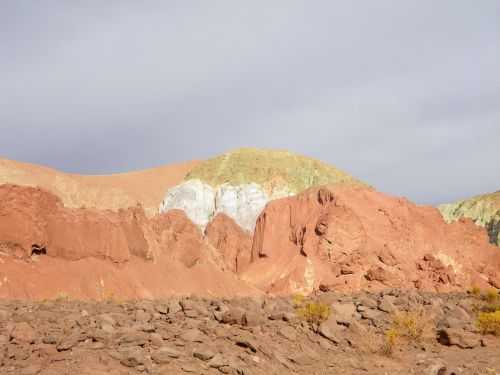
x=484, y=210
x=274, y=170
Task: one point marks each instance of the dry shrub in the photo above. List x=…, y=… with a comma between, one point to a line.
x=313, y=312
x=391, y=337
x=489, y=322
x=298, y=300
x=62, y=297
x=475, y=291
x=409, y=326
x=413, y=325
x=491, y=296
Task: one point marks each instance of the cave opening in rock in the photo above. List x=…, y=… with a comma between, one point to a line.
x=38, y=250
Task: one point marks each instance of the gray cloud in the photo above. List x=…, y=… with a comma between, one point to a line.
x=404, y=95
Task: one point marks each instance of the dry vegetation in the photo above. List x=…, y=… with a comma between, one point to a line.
x=313, y=312
x=407, y=326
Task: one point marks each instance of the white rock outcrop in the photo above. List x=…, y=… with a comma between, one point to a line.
x=242, y=203
x=201, y=202
x=195, y=198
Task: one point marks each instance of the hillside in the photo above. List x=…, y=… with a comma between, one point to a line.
x=240, y=183
x=275, y=170
x=100, y=191
x=484, y=210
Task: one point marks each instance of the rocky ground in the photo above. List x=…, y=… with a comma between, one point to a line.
x=391, y=332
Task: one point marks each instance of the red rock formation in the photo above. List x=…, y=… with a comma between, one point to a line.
x=350, y=238
x=344, y=237
x=46, y=248
x=232, y=243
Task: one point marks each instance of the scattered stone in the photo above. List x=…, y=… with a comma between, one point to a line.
x=330, y=330
x=203, y=353
x=386, y=304
x=246, y=342
x=217, y=361
x=23, y=333
x=132, y=357
x=234, y=316
x=458, y=337
x=69, y=342
x=192, y=335
x=344, y=312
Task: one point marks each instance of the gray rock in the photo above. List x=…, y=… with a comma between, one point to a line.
x=459, y=337
x=386, y=304
x=344, y=312
x=69, y=342
x=132, y=357
x=203, y=353
x=330, y=330
x=246, y=342
x=130, y=337
x=192, y=335
x=371, y=314
x=217, y=361
x=164, y=355
x=234, y=316
x=437, y=367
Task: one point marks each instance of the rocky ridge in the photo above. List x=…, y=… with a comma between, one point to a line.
x=484, y=210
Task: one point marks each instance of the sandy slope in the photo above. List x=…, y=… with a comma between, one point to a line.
x=104, y=192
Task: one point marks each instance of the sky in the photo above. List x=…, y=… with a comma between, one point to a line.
x=404, y=95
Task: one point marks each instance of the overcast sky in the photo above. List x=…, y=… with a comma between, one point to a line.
x=404, y=95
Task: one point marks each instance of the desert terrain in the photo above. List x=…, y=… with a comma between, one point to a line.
x=253, y=262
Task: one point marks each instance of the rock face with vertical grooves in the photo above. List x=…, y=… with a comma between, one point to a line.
x=355, y=238
x=484, y=210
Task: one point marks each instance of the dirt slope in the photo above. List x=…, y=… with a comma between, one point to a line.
x=104, y=192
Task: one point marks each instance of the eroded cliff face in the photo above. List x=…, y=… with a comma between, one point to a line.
x=335, y=237
x=351, y=238
x=484, y=210
x=341, y=237
x=46, y=248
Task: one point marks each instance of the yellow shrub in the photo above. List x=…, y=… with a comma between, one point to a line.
x=412, y=324
x=61, y=297
x=491, y=296
x=390, y=338
x=489, y=322
x=298, y=300
x=475, y=291
x=314, y=312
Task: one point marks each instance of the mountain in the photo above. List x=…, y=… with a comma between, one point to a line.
x=484, y=210
x=240, y=183
x=247, y=222
x=274, y=170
